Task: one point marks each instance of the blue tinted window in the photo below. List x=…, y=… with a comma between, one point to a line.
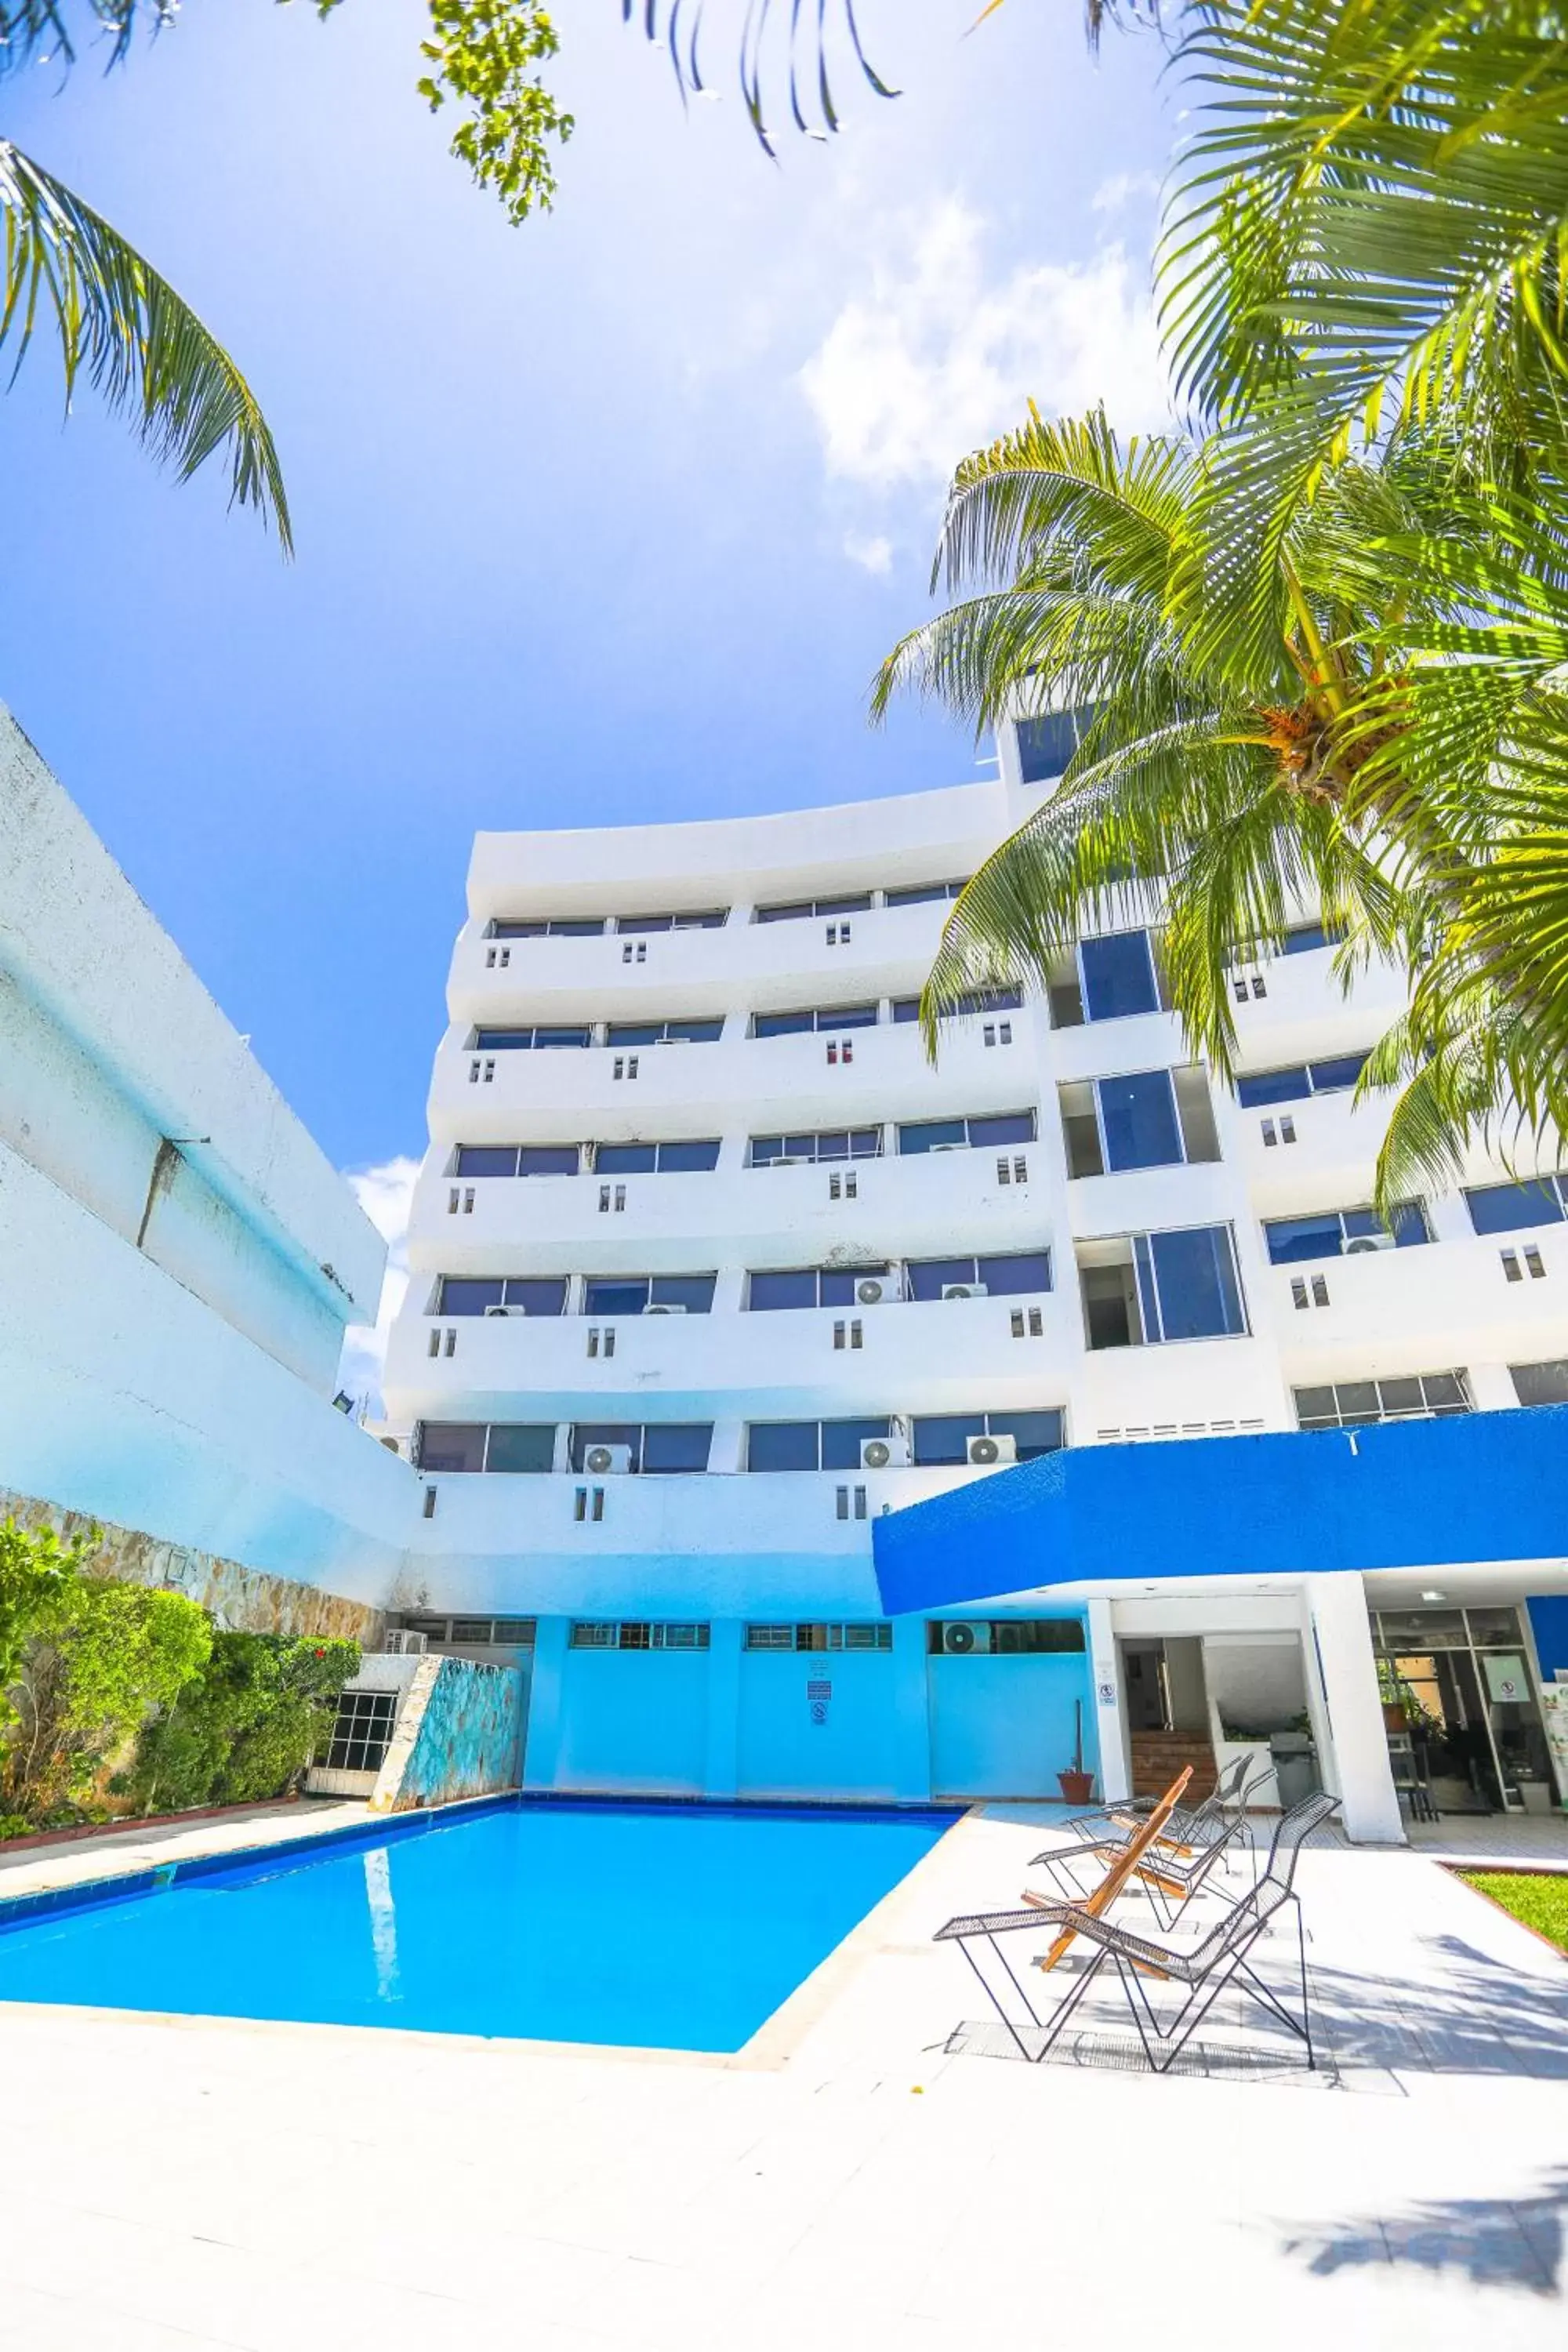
x=604, y=1433
x=634, y=1033
x=795, y=908
x=688, y=1158
x=503, y=1041
x=1273, y=1086
x=696, y=1033
x=612, y=1297
x=544, y=1039
x=626, y=1158
x=941, y=1439
x=521, y=1446
x=1510, y=1208
x=906, y=1008
x=1045, y=745
x=783, y=1024
x=1139, y=1117
x=781, y=1446
x=1117, y=976
x=847, y=1016
x=1334, y=1075
x=1008, y=1127
x=692, y=1291
x=451, y=1445
x=929, y=1132
x=1308, y=936
x=547, y=1160
x=842, y=1441
x=673, y=1446
x=768, y=1292
x=1036, y=1432
x=1293, y=1240
x=464, y=1294
x=1406, y=1223
x=1194, y=1275
x=576, y=927
x=1017, y=1274
x=538, y=1295
x=486, y=1159
x=519, y=930
x=928, y=1276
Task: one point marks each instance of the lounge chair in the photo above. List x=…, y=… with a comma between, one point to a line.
x=1172, y=1873
x=1128, y=1812
x=1222, y=1958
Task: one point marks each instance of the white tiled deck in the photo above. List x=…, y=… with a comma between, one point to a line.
x=182, y=2184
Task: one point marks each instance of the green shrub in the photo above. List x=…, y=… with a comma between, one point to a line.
x=246, y=1730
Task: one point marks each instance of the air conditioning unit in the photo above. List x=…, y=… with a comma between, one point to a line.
x=987, y=1453
x=964, y=1290
x=401, y=1643
x=608, y=1461
x=884, y=1454
x=506, y=1310
x=959, y=1639
x=871, y=1292
x=662, y=1306
x=945, y=1146
x=1361, y=1243
x=674, y=1041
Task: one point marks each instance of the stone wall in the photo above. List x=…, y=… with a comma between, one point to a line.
x=243, y=1599
x=460, y=1733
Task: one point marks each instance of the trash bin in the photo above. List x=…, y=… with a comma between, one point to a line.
x=1294, y=1761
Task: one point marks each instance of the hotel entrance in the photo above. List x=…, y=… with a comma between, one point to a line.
x=1460, y=1705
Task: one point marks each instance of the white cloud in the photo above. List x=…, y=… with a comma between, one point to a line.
x=1121, y=189
x=873, y=554
x=934, y=361
x=385, y=1194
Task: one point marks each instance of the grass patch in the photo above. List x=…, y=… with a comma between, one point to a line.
x=1538, y=1898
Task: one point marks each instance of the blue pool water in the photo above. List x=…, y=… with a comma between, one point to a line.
x=677, y=1928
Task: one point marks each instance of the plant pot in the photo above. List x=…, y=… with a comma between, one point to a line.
x=1077, y=1788
x=1393, y=1715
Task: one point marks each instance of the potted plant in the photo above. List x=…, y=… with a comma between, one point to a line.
x=1076, y=1785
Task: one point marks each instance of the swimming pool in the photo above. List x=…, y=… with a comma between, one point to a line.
x=665, y=1926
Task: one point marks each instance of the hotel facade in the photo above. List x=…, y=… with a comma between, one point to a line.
x=712, y=1270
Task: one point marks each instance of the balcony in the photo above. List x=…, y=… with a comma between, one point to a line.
x=936, y=1356
x=923, y=1205
x=1323, y=1153
x=1304, y=1012
x=762, y=1083
x=1427, y=1309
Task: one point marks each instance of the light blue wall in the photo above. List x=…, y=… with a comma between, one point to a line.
x=853, y=1752
x=1003, y=1726
x=633, y=1719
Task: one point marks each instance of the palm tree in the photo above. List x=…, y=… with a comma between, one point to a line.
x=1221, y=782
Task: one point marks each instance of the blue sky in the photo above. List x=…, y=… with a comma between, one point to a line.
x=603, y=519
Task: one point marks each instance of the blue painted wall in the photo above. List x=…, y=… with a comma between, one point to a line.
x=1549, y=1624
x=1481, y=1487
x=1003, y=1726
x=632, y=1720
x=781, y=1751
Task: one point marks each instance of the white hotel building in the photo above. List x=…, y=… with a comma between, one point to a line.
x=711, y=1267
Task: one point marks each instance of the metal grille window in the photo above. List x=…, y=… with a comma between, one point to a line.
x=1332, y=1077
x=874, y=1637
x=805, y=1150
x=362, y=1730
x=1357, y=1404
x=636, y=1634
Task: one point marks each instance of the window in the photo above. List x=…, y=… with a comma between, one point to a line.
x=646, y=1158
x=827, y=1016
x=1327, y=1078
x=766, y=1293
x=663, y=1033
x=797, y=909
x=1012, y=1276
x=1117, y=976
x=634, y=1634
x=528, y=1294
x=829, y=1143
x=1354, y=1404
x=942, y=1440
x=1138, y=1120
x=952, y=1134
x=977, y=1000
x=1510, y=1208
x=1339, y=1233
x=809, y=1445
x=524, y=1041
x=453, y=1445
x=633, y=1294
x=362, y=1730
x=517, y=1160
x=1009, y=1637
x=575, y=926
x=1046, y=744
x=1541, y=1383
x=875, y=1637
x=1181, y=1284
x=662, y=1449
x=1145, y=1119
x=924, y=893
x=712, y=918
x=1302, y=938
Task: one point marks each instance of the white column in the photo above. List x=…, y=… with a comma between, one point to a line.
x=1339, y=1637
x=1105, y=1697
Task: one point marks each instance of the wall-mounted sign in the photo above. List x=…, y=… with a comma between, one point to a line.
x=1505, y=1677
x=1106, y=1694
x=818, y=1694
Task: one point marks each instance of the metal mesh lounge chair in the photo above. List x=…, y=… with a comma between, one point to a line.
x=1127, y=1813
x=1172, y=1874
x=1206, y=1968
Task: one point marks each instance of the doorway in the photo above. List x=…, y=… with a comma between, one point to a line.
x=1461, y=1680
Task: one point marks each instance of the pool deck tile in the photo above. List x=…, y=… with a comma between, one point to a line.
x=289, y=2188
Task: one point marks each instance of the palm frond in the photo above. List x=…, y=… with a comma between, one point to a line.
x=786, y=52
x=123, y=330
